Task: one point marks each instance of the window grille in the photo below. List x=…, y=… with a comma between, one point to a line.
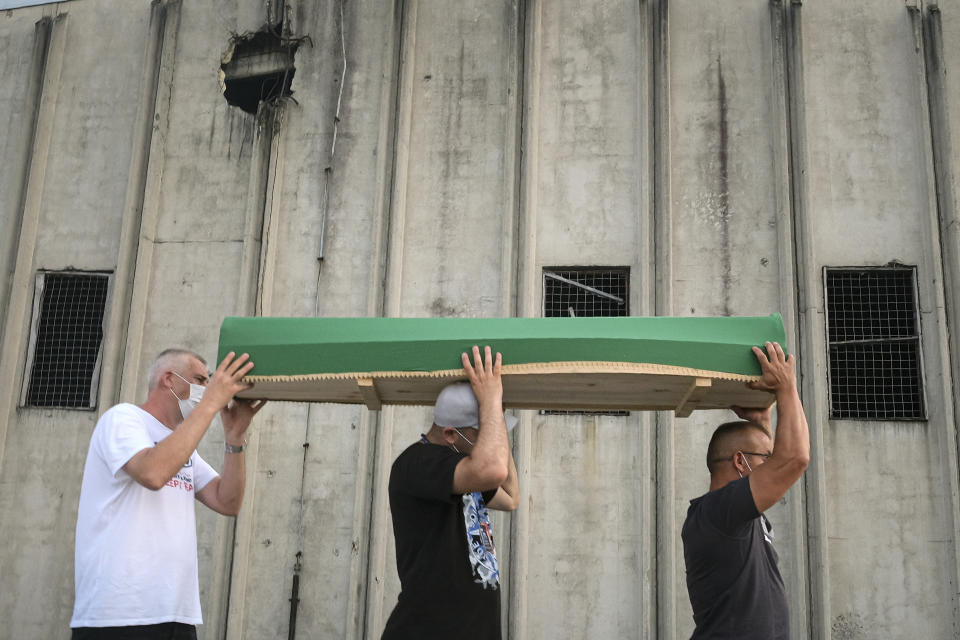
x=873, y=334
x=586, y=292
x=63, y=362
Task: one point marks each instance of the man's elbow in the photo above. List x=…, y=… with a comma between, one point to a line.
x=493, y=475
x=803, y=462
x=154, y=483
x=799, y=463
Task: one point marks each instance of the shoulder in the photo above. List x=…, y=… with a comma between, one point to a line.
x=424, y=469
x=124, y=411
x=419, y=454
x=726, y=508
x=735, y=491
x=121, y=415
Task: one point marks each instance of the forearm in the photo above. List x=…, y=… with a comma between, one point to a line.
x=511, y=485
x=492, y=450
x=792, y=441
x=232, y=481
x=160, y=463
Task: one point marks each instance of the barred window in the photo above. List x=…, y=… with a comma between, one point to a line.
x=584, y=292
x=873, y=334
x=63, y=362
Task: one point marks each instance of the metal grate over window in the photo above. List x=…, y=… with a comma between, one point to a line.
x=873, y=333
x=65, y=341
x=586, y=292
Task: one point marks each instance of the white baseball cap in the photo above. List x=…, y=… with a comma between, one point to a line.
x=457, y=407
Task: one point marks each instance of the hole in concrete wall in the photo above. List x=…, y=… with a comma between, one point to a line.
x=258, y=67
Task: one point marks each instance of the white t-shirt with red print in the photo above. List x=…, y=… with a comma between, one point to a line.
x=136, y=549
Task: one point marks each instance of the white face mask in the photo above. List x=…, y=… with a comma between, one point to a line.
x=187, y=404
x=462, y=436
x=746, y=462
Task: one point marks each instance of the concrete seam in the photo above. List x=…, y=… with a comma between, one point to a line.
x=17, y=321
x=663, y=302
x=116, y=332
x=249, y=287
x=358, y=605
x=788, y=294
x=38, y=68
x=149, y=210
x=394, y=214
x=814, y=485
x=943, y=195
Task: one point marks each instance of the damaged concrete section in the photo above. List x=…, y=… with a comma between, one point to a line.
x=258, y=67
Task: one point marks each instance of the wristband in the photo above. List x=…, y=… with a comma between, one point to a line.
x=234, y=448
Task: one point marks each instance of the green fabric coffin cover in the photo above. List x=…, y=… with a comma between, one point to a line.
x=656, y=363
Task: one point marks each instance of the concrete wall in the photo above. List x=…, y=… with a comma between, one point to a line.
x=436, y=158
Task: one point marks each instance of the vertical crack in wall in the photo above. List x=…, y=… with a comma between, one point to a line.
x=328, y=170
x=723, y=151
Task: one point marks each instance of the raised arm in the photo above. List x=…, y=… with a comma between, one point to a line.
x=487, y=466
x=153, y=467
x=791, y=446
x=224, y=494
x=508, y=495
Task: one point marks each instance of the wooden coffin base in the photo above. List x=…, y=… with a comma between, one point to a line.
x=596, y=386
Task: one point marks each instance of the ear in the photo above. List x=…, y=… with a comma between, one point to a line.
x=449, y=434
x=739, y=464
x=167, y=379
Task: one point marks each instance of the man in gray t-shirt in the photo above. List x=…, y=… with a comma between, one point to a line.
x=733, y=581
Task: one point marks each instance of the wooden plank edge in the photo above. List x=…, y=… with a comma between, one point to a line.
x=698, y=387
x=369, y=393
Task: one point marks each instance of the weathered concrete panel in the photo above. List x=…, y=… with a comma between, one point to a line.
x=16, y=59
x=867, y=198
x=950, y=21
x=78, y=212
x=39, y=492
x=591, y=151
x=336, y=486
x=587, y=515
x=462, y=79
x=898, y=547
x=207, y=152
x=86, y=178
x=870, y=204
x=587, y=506
x=185, y=308
x=725, y=235
x=302, y=496
x=452, y=205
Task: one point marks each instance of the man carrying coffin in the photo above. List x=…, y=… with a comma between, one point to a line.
x=440, y=489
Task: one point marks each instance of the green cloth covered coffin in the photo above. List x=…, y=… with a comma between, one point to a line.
x=658, y=363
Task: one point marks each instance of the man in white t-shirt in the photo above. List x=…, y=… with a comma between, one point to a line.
x=136, y=545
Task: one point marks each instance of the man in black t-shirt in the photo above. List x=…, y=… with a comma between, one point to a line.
x=440, y=489
x=733, y=581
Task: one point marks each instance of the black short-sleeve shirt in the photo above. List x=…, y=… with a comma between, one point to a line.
x=446, y=560
x=733, y=581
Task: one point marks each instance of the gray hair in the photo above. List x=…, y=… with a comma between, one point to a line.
x=168, y=360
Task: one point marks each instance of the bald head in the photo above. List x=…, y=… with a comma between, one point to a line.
x=169, y=360
x=731, y=437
